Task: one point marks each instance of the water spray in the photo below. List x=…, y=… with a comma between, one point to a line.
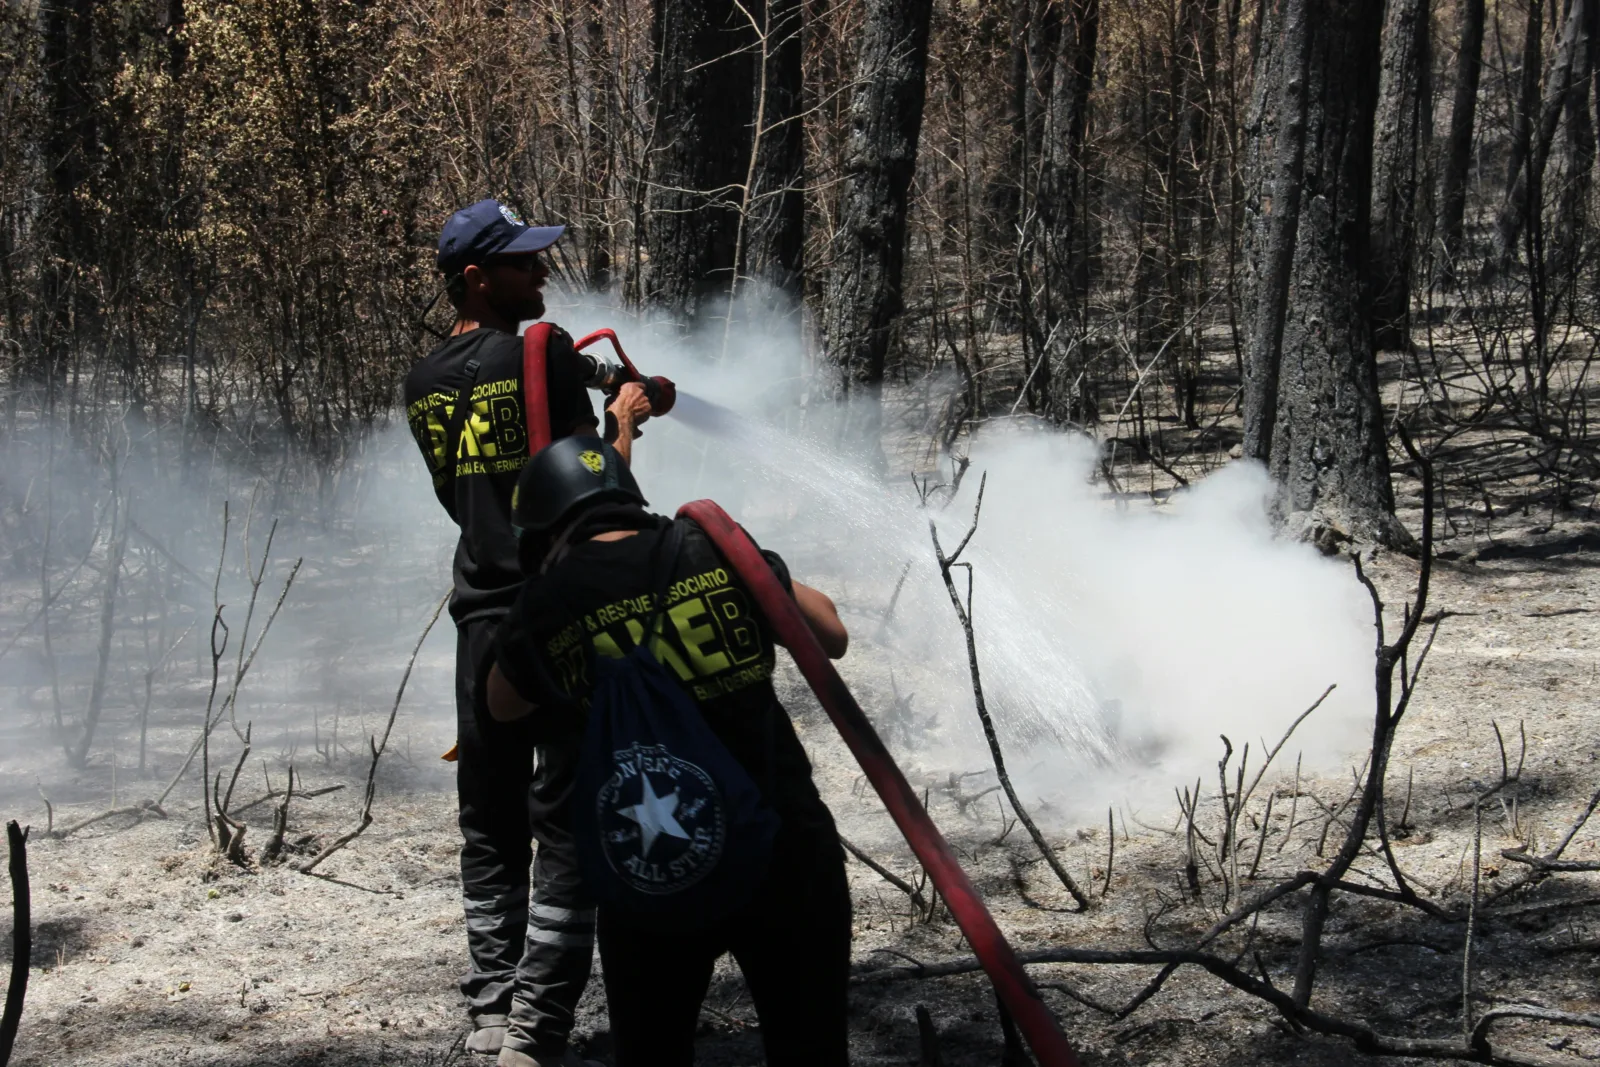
x=1016, y=990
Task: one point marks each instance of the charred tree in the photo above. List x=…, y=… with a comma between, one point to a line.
x=71, y=140
x=1404, y=129
x=1532, y=141
x=702, y=80
x=863, y=299
x=1456, y=159
x=1321, y=427
x=1064, y=187
x=1276, y=135
x=775, y=228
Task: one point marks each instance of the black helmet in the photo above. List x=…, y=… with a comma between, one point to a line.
x=568, y=475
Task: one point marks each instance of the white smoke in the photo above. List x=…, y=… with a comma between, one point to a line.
x=1117, y=639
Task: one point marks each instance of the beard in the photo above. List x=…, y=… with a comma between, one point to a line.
x=518, y=310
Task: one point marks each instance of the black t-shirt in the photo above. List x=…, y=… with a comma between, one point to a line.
x=596, y=601
x=475, y=474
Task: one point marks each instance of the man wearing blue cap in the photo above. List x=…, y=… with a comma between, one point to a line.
x=465, y=405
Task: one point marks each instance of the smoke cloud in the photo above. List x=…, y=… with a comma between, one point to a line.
x=1117, y=639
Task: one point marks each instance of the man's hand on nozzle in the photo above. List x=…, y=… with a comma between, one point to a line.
x=630, y=408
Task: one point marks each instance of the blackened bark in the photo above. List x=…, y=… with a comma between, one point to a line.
x=1276, y=134
x=702, y=81
x=1064, y=187
x=1328, y=450
x=1530, y=148
x=21, y=938
x=775, y=228
x=1403, y=133
x=599, y=163
x=1457, y=157
x=1034, y=29
x=863, y=300
x=70, y=149
x=1572, y=201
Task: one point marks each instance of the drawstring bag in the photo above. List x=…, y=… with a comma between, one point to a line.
x=670, y=829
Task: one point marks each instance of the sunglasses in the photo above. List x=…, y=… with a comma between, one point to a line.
x=526, y=264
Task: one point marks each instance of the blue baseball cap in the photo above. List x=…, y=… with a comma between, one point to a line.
x=489, y=228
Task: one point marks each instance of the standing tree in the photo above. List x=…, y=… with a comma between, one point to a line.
x=863, y=298
x=1064, y=199
x=703, y=81
x=71, y=154
x=1457, y=157
x=1530, y=147
x=1312, y=406
x=775, y=203
x=1400, y=152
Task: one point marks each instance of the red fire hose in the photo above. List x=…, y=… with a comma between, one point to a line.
x=1016, y=989
x=660, y=391
x=535, y=389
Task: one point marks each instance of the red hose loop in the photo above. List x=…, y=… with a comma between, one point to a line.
x=535, y=386
x=1016, y=989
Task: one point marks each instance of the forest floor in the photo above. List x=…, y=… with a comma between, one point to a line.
x=148, y=950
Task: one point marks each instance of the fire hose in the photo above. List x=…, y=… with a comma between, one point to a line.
x=660, y=391
x=1016, y=990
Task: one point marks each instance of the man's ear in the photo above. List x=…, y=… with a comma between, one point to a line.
x=476, y=279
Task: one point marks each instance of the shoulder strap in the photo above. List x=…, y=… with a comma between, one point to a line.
x=458, y=416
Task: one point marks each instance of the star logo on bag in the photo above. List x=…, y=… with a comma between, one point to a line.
x=663, y=824
x=593, y=460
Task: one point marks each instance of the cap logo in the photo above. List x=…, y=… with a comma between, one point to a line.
x=593, y=460
x=510, y=216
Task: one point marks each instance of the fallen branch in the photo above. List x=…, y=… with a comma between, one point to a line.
x=887, y=875
x=1475, y=1049
x=139, y=811
x=303, y=794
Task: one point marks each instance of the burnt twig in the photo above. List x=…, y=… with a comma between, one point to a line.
x=377, y=747
x=964, y=614
x=21, y=938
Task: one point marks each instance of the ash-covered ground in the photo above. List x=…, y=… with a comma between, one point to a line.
x=151, y=949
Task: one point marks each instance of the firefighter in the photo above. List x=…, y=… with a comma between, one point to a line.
x=597, y=584
x=465, y=406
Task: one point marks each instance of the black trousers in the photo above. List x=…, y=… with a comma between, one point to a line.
x=550, y=941
x=494, y=766
x=792, y=942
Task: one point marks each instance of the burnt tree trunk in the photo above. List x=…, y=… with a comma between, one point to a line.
x=775, y=229
x=1063, y=205
x=1034, y=29
x=1572, y=199
x=1456, y=161
x=1403, y=132
x=1327, y=447
x=1530, y=148
x=863, y=299
x=1276, y=134
x=702, y=81
x=71, y=140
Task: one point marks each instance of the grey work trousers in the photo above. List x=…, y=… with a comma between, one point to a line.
x=529, y=960
x=558, y=953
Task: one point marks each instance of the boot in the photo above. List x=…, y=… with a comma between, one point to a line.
x=488, y=1034
x=510, y=1057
